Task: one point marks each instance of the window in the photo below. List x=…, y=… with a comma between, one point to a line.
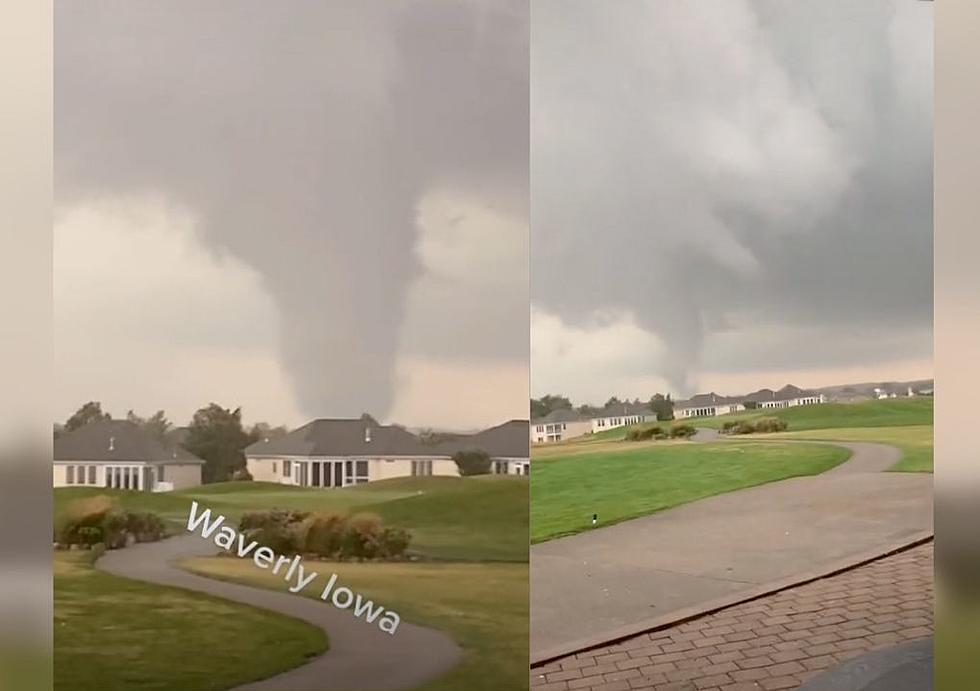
x=91, y=475
x=273, y=467
x=540, y=428
x=500, y=467
x=70, y=474
x=286, y=469
x=361, y=472
x=421, y=467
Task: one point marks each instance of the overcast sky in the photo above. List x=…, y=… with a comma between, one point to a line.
x=729, y=195
x=307, y=208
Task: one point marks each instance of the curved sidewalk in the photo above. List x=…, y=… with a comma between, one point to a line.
x=629, y=577
x=360, y=657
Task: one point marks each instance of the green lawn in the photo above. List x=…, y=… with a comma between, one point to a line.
x=915, y=441
x=115, y=633
x=483, y=607
x=474, y=518
x=624, y=480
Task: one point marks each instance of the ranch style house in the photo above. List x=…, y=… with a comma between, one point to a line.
x=343, y=452
x=120, y=455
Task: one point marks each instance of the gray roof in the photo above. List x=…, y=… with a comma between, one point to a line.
x=617, y=409
x=365, y=437
x=706, y=399
x=561, y=415
x=787, y=393
x=118, y=440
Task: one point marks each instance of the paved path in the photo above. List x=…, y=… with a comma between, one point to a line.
x=618, y=580
x=360, y=657
x=776, y=642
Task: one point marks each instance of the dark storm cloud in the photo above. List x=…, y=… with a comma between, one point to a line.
x=721, y=167
x=304, y=134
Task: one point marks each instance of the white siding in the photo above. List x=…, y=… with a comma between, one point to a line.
x=182, y=476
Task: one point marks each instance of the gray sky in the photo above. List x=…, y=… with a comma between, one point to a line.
x=729, y=195
x=305, y=208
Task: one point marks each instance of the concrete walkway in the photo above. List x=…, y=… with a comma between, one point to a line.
x=360, y=657
x=610, y=582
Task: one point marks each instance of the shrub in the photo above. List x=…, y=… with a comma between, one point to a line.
x=275, y=517
x=82, y=513
x=394, y=542
x=682, y=431
x=278, y=538
x=770, y=424
x=145, y=526
x=323, y=534
x=114, y=533
x=362, y=539
x=643, y=433
x=472, y=462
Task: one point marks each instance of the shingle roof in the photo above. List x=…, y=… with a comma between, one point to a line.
x=560, y=415
x=706, y=399
x=117, y=440
x=616, y=409
x=347, y=437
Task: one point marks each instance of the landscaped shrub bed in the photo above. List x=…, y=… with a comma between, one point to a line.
x=682, y=431
x=762, y=425
x=327, y=535
x=99, y=520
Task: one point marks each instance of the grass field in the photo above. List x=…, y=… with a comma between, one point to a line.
x=483, y=607
x=480, y=518
x=915, y=441
x=115, y=633
x=895, y=412
x=624, y=480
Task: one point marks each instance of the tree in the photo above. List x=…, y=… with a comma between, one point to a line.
x=540, y=407
x=263, y=430
x=472, y=462
x=216, y=435
x=157, y=425
x=90, y=412
x=662, y=406
x=612, y=401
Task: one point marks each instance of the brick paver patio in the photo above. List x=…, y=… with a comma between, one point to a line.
x=775, y=642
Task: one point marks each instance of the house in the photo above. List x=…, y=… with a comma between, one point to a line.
x=786, y=397
x=344, y=452
x=558, y=425
x=707, y=404
x=621, y=414
x=121, y=455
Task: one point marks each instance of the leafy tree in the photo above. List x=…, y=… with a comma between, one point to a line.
x=90, y=412
x=472, y=462
x=157, y=425
x=662, y=406
x=540, y=407
x=263, y=430
x=216, y=435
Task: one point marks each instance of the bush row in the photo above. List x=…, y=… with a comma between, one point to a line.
x=762, y=425
x=99, y=520
x=327, y=535
x=644, y=432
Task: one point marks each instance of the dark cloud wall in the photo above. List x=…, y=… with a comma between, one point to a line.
x=720, y=167
x=304, y=134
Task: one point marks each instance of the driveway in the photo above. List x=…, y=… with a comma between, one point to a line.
x=361, y=656
x=601, y=584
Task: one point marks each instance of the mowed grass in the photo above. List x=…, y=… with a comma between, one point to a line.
x=628, y=480
x=116, y=633
x=483, y=607
x=915, y=441
x=889, y=412
x=462, y=519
